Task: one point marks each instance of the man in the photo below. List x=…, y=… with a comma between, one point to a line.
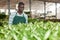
x=20, y=16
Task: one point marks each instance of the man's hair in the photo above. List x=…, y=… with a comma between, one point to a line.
x=20, y=3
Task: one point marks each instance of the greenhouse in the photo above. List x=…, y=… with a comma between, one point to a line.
x=43, y=20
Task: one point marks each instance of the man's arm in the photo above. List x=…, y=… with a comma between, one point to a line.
x=11, y=18
x=26, y=18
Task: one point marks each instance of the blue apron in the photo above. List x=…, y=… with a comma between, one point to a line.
x=19, y=19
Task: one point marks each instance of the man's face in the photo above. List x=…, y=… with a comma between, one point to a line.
x=21, y=8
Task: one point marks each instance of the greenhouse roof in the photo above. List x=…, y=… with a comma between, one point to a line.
x=4, y=3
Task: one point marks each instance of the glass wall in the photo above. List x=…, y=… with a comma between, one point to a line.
x=37, y=8
x=50, y=10
x=58, y=10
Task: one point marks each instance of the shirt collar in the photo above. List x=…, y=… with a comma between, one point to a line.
x=20, y=14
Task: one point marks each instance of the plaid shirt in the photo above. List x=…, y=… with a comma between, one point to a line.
x=13, y=15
